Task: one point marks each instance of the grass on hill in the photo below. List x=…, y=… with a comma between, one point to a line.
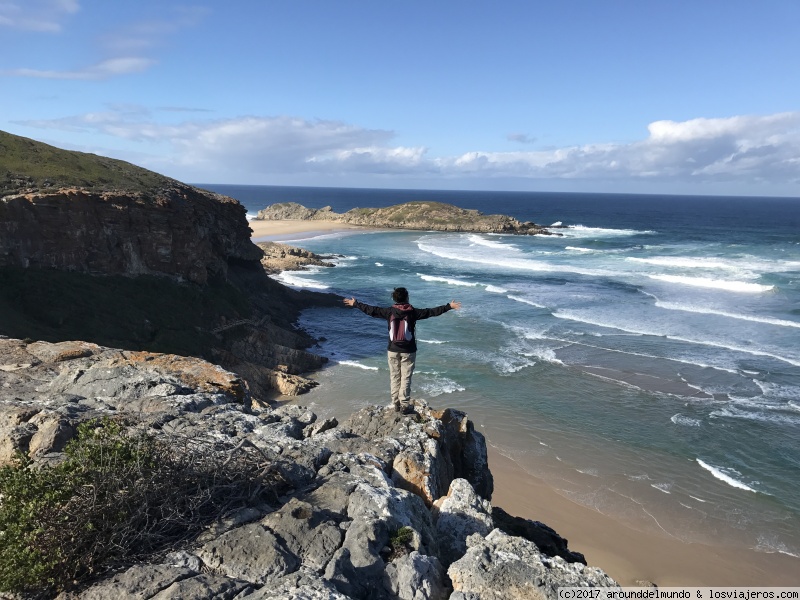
x=28, y=164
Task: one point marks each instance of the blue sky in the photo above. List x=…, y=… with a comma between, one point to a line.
x=652, y=96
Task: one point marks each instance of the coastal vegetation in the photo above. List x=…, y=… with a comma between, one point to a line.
x=28, y=165
x=118, y=496
x=420, y=215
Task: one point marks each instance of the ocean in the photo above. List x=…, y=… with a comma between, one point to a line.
x=646, y=363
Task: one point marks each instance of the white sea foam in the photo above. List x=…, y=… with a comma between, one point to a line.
x=377, y=264
x=680, y=419
x=482, y=241
x=563, y=314
x=452, y=281
x=499, y=260
x=432, y=341
x=722, y=313
x=324, y=236
x=545, y=354
x=688, y=262
x=764, y=415
x=578, y=249
x=581, y=231
x=353, y=363
x=718, y=284
x=251, y=216
x=591, y=472
x=698, y=499
x=287, y=278
x=448, y=280
x=740, y=264
x=441, y=385
x=662, y=487
x=507, y=366
x=684, y=361
x=722, y=474
x=525, y=301
x=771, y=546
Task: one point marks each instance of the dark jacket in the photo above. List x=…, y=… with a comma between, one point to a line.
x=414, y=315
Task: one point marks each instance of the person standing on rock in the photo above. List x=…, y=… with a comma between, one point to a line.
x=402, y=350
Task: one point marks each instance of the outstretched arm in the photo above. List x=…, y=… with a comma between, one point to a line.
x=373, y=311
x=426, y=313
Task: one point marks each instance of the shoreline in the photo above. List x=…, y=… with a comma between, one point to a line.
x=630, y=556
x=275, y=231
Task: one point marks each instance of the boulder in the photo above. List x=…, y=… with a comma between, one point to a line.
x=499, y=565
x=458, y=515
x=416, y=576
x=250, y=552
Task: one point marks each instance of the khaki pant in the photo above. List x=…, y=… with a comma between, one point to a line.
x=401, y=367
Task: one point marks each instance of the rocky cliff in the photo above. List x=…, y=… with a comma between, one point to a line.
x=382, y=506
x=98, y=249
x=427, y=216
x=179, y=231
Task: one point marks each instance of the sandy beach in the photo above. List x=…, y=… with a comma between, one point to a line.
x=275, y=231
x=630, y=556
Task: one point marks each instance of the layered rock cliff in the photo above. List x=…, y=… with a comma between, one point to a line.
x=427, y=216
x=382, y=506
x=97, y=249
x=178, y=231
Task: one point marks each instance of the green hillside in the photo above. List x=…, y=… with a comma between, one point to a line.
x=27, y=164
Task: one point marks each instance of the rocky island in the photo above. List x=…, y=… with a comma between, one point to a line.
x=137, y=322
x=426, y=216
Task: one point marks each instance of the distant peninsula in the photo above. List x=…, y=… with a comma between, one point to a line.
x=420, y=215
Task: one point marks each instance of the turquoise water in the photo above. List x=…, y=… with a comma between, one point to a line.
x=646, y=363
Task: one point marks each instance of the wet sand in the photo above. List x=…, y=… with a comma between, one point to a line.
x=628, y=555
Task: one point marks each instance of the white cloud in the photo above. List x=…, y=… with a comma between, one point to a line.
x=36, y=15
x=142, y=36
x=103, y=70
x=127, y=49
x=745, y=149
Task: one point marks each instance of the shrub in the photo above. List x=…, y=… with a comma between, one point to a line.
x=399, y=542
x=115, y=498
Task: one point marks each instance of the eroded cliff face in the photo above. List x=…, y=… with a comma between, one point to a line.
x=348, y=489
x=178, y=231
x=170, y=269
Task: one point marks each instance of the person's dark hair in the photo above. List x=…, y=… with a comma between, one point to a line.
x=400, y=295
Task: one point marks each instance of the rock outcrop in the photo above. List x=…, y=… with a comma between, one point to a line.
x=427, y=216
x=179, y=231
x=282, y=257
x=98, y=249
x=384, y=505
